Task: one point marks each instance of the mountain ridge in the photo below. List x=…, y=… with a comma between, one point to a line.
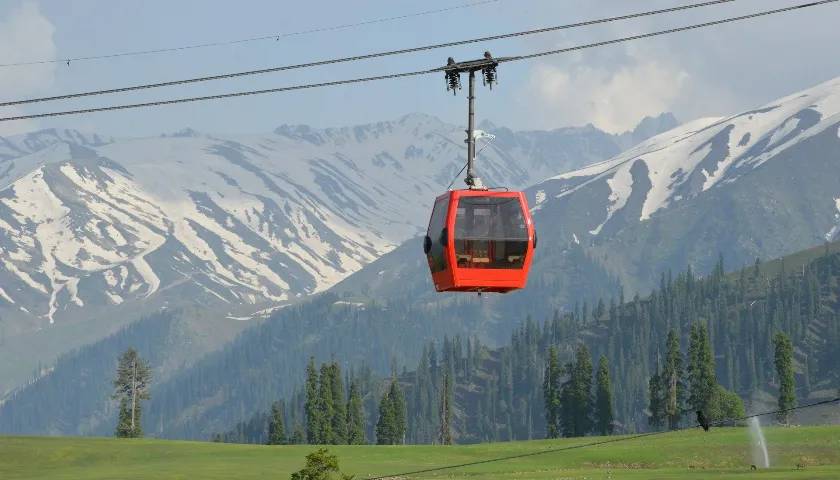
x=709, y=184
x=93, y=227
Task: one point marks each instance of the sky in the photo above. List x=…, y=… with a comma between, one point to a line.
x=711, y=72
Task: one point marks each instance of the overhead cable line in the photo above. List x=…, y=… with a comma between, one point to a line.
x=415, y=73
x=599, y=442
x=220, y=96
x=275, y=36
x=673, y=30
x=355, y=58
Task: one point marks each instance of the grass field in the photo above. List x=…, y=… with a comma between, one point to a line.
x=722, y=453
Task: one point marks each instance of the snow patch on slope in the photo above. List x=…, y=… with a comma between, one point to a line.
x=835, y=230
x=703, y=154
x=621, y=186
x=5, y=296
x=246, y=219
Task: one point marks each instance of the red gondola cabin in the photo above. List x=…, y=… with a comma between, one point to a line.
x=480, y=241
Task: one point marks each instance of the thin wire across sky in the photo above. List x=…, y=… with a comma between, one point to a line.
x=367, y=56
x=414, y=73
x=261, y=38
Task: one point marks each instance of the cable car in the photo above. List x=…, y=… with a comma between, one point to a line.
x=480, y=241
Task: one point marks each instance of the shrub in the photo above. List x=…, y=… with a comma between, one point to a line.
x=321, y=465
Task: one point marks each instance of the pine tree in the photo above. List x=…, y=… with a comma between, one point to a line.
x=326, y=407
x=339, y=415
x=385, y=425
x=276, y=428
x=576, y=396
x=311, y=409
x=603, y=399
x=656, y=403
x=551, y=393
x=701, y=369
x=131, y=387
x=784, y=370
x=672, y=382
x=583, y=392
x=391, y=426
x=445, y=434
x=400, y=414
x=355, y=416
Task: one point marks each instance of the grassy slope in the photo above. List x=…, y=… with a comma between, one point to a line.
x=723, y=453
x=795, y=261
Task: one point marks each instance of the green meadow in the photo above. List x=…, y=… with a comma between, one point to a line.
x=795, y=452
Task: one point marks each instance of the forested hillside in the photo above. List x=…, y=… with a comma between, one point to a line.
x=75, y=397
x=266, y=362
x=498, y=393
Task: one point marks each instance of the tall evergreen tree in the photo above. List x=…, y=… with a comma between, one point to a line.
x=339, y=414
x=385, y=423
x=131, y=387
x=656, y=401
x=391, y=426
x=400, y=413
x=576, y=398
x=784, y=369
x=276, y=425
x=701, y=369
x=326, y=406
x=603, y=399
x=551, y=393
x=355, y=416
x=311, y=407
x=445, y=434
x=672, y=382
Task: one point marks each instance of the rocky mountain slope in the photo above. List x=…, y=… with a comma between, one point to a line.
x=762, y=183
x=100, y=228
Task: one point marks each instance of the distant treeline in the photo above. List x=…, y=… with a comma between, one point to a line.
x=725, y=324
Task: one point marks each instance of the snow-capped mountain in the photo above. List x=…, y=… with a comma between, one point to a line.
x=20, y=145
x=88, y=221
x=758, y=184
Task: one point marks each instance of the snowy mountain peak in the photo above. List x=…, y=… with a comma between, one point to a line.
x=186, y=132
x=698, y=156
x=650, y=126
x=19, y=145
x=89, y=223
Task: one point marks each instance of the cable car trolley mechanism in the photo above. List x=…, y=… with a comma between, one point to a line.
x=478, y=240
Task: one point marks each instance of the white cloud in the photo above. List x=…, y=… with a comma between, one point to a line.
x=25, y=34
x=707, y=72
x=611, y=97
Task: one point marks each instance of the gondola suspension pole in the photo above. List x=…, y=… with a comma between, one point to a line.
x=453, y=70
x=472, y=181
